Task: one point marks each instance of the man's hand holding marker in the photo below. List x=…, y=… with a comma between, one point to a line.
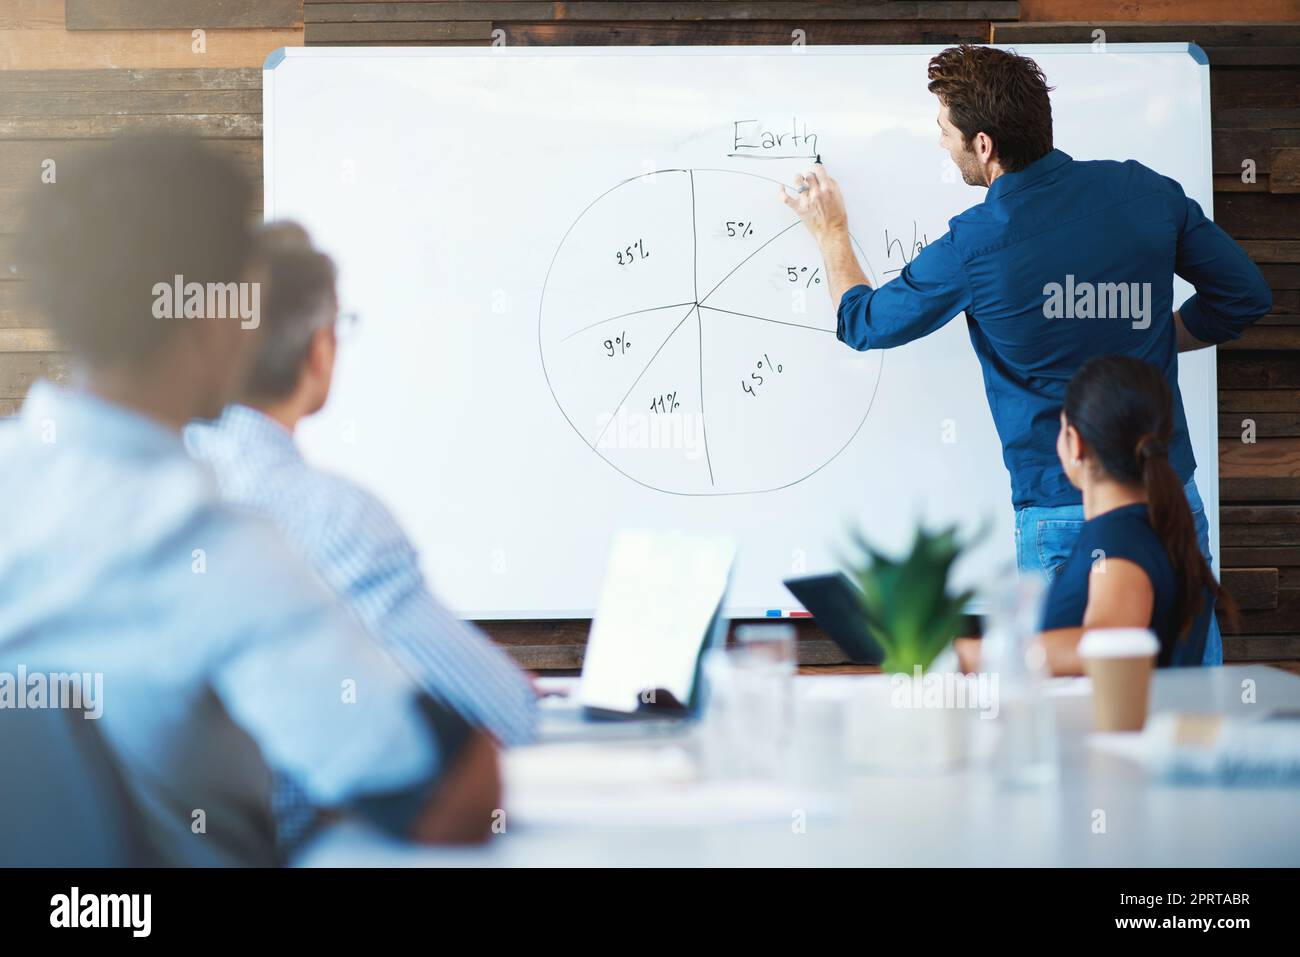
x=818, y=202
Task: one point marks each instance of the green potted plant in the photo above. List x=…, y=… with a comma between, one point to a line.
x=903, y=721
x=906, y=605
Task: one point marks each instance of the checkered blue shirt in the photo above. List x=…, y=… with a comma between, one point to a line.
x=357, y=547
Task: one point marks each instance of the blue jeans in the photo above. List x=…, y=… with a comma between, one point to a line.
x=1045, y=537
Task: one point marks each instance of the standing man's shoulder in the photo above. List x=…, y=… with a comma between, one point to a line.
x=1125, y=178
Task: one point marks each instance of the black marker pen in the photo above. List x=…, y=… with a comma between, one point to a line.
x=804, y=189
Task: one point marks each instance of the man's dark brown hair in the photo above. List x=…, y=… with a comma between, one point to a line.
x=999, y=94
x=119, y=218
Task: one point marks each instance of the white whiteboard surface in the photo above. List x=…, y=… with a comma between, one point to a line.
x=478, y=202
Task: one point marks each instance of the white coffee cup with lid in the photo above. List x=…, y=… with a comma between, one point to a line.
x=1119, y=661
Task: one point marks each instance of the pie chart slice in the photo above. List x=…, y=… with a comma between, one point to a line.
x=736, y=215
x=593, y=370
x=782, y=281
x=630, y=250
x=657, y=437
x=779, y=399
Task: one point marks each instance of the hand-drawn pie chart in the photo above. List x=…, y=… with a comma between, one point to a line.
x=688, y=337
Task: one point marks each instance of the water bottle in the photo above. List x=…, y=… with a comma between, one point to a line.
x=1025, y=754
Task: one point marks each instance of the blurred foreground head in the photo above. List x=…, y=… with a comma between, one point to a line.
x=137, y=257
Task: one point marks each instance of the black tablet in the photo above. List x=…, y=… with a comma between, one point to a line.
x=835, y=604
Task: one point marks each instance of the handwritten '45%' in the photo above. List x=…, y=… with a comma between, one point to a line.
x=756, y=378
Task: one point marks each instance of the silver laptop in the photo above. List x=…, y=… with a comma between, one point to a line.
x=660, y=609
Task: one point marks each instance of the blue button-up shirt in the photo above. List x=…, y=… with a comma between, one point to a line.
x=223, y=659
x=360, y=551
x=1046, y=270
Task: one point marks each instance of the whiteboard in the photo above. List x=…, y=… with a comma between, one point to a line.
x=584, y=307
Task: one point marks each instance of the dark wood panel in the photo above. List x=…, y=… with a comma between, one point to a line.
x=562, y=658
x=14, y=311
x=1260, y=536
x=22, y=161
x=1229, y=116
x=1253, y=588
x=138, y=81
x=574, y=630
x=1284, y=161
x=1258, y=489
x=569, y=658
x=207, y=125
x=1286, y=301
x=397, y=32
x=1257, y=35
x=1273, y=250
x=479, y=43
x=1265, y=424
x=1282, y=620
x=1277, y=338
x=1231, y=183
x=10, y=267
x=1253, y=56
x=1157, y=11
x=560, y=644
x=29, y=340
x=1258, y=370
x=130, y=103
x=41, y=49
x=1265, y=458
x=11, y=201
x=567, y=661
x=181, y=14
x=317, y=10
x=1258, y=400
x=813, y=651
x=1260, y=648
x=390, y=12
x=1260, y=557
x=1281, y=276
x=536, y=633
x=1260, y=515
x=825, y=654
x=1229, y=147
x=724, y=33
x=1255, y=117
x=18, y=370
x=1233, y=117
x=1260, y=86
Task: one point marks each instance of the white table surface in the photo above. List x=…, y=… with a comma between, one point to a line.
x=615, y=804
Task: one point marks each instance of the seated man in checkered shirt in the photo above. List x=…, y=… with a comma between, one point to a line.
x=342, y=530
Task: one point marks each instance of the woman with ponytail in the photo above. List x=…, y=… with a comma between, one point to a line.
x=1137, y=562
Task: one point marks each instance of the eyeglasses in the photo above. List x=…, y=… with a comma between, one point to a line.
x=345, y=325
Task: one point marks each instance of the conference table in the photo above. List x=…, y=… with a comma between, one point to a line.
x=645, y=802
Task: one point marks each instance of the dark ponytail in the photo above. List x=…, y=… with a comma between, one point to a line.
x=1122, y=408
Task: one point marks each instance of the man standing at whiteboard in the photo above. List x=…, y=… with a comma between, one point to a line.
x=1063, y=261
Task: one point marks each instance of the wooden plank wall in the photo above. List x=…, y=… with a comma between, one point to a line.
x=73, y=70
